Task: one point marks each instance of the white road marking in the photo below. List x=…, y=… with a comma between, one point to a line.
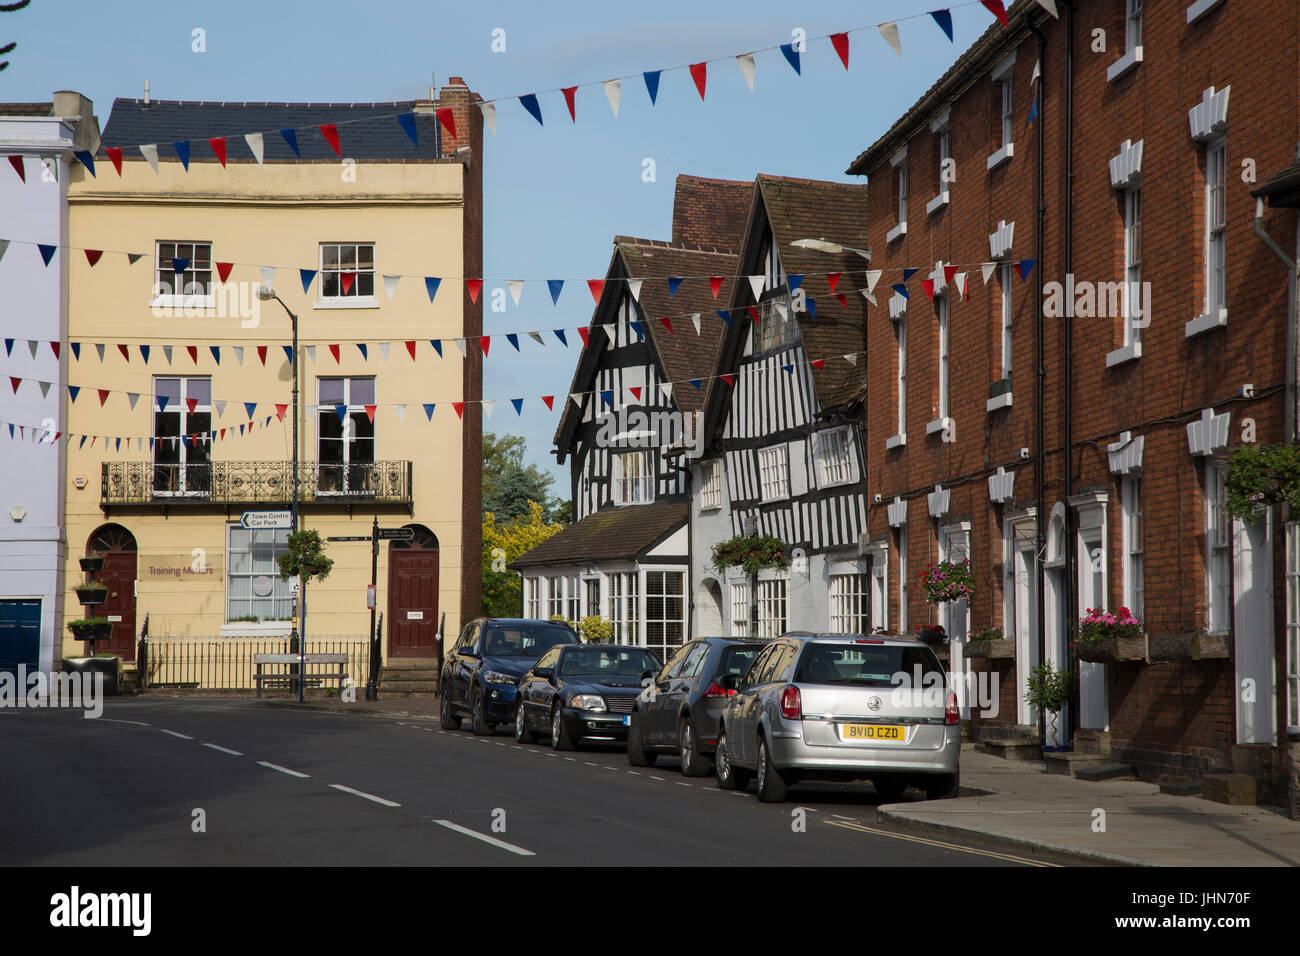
x=634, y=773
x=485, y=838
x=839, y=816
x=275, y=766
x=225, y=750
x=571, y=759
x=590, y=764
x=660, y=779
x=682, y=783
x=555, y=755
x=138, y=723
x=362, y=793
x=175, y=734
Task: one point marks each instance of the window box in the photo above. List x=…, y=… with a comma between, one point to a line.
x=1002, y=155
x=896, y=441
x=91, y=564
x=936, y=426
x=1194, y=646
x=256, y=629
x=999, y=402
x=999, y=650
x=1000, y=387
x=1217, y=319
x=1112, y=651
x=937, y=203
x=1124, y=354
x=92, y=595
x=896, y=233
x=1125, y=63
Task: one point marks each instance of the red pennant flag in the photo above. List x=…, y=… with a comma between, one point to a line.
x=103, y=397
x=550, y=401
x=995, y=7
x=17, y=163
x=715, y=283
x=753, y=312
x=636, y=392
x=346, y=279
x=370, y=412
x=410, y=348
x=14, y=381
x=484, y=341
x=841, y=43
x=667, y=324
x=699, y=73
x=597, y=286
x=727, y=378
x=844, y=303
x=223, y=270
x=948, y=273
x=474, y=286
x=583, y=333
x=331, y=134
x=222, y=435
x=832, y=280
x=56, y=435
x=447, y=120
x=280, y=410
x=568, y=92
x=817, y=364
x=194, y=353
x=261, y=353
x=125, y=354
x=334, y=351
x=54, y=347
x=460, y=409
x=115, y=154
x=928, y=286
x=191, y=404
x=92, y=256
x=218, y=144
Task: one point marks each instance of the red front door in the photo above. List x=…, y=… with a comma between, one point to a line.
x=117, y=547
x=413, y=596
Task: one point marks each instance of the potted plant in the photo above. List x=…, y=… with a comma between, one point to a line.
x=91, y=564
x=752, y=553
x=990, y=644
x=948, y=581
x=1050, y=689
x=91, y=628
x=305, y=559
x=92, y=592
x=1103, y=636
x=109, y=665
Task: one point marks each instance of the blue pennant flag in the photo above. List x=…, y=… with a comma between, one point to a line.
x=696, y=383
x=518, y=403
x=361, y=347
x=9, y=346
x=534, y=108
x=179, y=265
x=87, y=160
x=291, y=137
x=908, y=273
x=652, y=84
x=162, y=402
x=673, y=283
x=306, y=275
x=555, y=285
x=342, y=412
x=724, y=316
x=431, y=284
x=428, y=410
x=249, y=408
x=82, y=444
x=1033, y=111
x=636, y=327
x=791, y=55
x=901, y=290
x=513, y=339
x=144, y=353
x=788, y=368
x=944, y=19
x=76, y=348
x=288, y=352
x=1025, y=266
x=118, y=446
x=182, y=148
x=794, y=281
x=437, y=346
x=47, y=252
x=151, y=445
x=812, y=306
x=216, y=353
x=407, y=122
x=75, y=390
x=559, y=334
x=607, y=396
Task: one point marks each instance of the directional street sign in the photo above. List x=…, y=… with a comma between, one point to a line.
x=349, y=537
x=266, y=519
x=396, y=534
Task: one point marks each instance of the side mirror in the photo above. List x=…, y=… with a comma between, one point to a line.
x=647, y=675
x=730, y=682
x=544, y=672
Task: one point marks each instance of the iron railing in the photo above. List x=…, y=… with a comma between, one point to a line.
x=247, y=482
x=226, y=663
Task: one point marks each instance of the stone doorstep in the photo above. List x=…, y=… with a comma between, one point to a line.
x=1181, y=787
x=1105, y=771
x=1092, y=742
x=1011, y=749
x=1235, y=789
x=1066, y=762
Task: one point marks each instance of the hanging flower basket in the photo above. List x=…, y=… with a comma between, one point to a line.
x=1260, y=477
x=91, y=564
x=92, y=594
x=932, y=634
x=948, y=581
x=752, y=553
x=1104, y=637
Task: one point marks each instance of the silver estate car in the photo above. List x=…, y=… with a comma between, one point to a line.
x=841, y=707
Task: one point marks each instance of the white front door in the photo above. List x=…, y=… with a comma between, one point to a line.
x=1093, y=713
x=954, y=546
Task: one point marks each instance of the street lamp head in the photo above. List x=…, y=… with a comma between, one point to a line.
x=265, y=293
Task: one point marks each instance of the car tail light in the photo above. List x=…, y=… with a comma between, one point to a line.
x=868, y=642
x=716, y=691
x=791, y=703
x=951, y=714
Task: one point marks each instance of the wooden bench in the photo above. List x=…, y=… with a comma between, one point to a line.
x=307, y=660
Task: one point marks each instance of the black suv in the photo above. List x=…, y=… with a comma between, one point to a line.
x=481, y=673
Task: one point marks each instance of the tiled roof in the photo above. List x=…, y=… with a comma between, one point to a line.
x=615, y=533
x=1282, y=189
x=711, y=212
x=26, y=109
x=367, y=131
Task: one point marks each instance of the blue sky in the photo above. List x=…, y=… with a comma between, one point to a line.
x=554, y=195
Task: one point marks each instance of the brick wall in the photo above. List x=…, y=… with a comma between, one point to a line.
x=711, y=212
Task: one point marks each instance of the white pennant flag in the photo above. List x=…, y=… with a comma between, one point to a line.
x=254, y=141
x=873, y=276
x=576, y=398
x=311, y=354
x=268, y=276
x=890, y=32
x=33, y=345
x=851, y=358
x=401, y=412
x=311, y=409
x=4, y=244
x=537, y=337
x=383, y=349
x=612, y=331
x=132, y=398
x=1038, y=71
x=756, y=283
x=960, y=279
x=221, y=407
x=695, y=320
x=634, y=286
x=167, y=353
x=150, y=153
x=987, y=268
x=239, y=354
x=869, y=295
x=487, y=406
x=613, y=90
x=1050, y=7
x=490, y=115
x=460, y=344
x=100, y=349
x=516, y=287
x=390, y=286
x=746, y=61
x=783, y=309
x=45, y=389
x=667, y=390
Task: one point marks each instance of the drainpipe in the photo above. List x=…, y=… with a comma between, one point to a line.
x=1071, y=612
x=1041, y=377
x=1292, y=295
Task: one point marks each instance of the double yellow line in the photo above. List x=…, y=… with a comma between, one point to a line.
x=863, y=828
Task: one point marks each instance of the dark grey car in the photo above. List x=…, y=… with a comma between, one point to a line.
x=678, y=712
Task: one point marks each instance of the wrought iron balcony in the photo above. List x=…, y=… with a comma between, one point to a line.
x=136, y=483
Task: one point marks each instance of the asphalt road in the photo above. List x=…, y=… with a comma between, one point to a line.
x=272, y=786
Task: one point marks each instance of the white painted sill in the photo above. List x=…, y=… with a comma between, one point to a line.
x=937, y=203
x=998, y=401
x=184, y=302
x=896, y=233
x=1002, y=155
x=896, y=441
x=1217, y=319
x=249, y=629
x=369, y=302
x=936, y=426
x=1126, y=354
x=1200, y=8
x=1125, y=63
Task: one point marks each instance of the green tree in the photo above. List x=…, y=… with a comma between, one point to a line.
x=502, y=543
x=304, y=558
x=509, y=484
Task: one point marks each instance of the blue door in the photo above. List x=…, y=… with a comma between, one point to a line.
x=20, y=633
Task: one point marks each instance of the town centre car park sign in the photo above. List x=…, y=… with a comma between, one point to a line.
x=260, y=520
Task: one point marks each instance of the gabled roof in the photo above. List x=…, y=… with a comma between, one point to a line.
x=613, y=534
x=807, y=209
x=367, y=131
x=711, y=212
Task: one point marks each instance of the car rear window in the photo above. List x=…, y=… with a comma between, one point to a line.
x=736, y=660
x=524, y=640
x=865, y=665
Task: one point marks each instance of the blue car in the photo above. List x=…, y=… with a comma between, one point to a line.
x=481, y=673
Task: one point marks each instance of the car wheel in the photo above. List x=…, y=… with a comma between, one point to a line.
x=943, y=787
x=478, y=715
x=771, y=785
x=889, y=789
x=560, y=738
x=637, y=755
x=694, y=764
x=729, y=777
x=522, y=733
x=446, y=716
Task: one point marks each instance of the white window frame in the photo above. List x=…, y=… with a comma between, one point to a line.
x=1132, y=558
x=939, y=129
x=183, y=448
x=532, y=598
x=1005, y=306
x=772, y=608
x=774, y=472
x=1131, y=347
x=902, y=579
x=631, y=489
x=574, y=599
x=833, y=456
x=878, y=599
x=281, y=596
x=739, y=609
x=898, y=163
x=1003, y=76
x=1218, y=549
x=943, y=358
x=555, y=596
x=850, y=603
x=900, y=333
x=711, y=485
x=1216, y=274
x=1132, y=41
x=185, y=299
x=1293, y=626
x=354, y=299
x=349, y=437
x=664, y=621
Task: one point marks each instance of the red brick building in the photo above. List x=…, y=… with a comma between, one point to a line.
x=1066, y=423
